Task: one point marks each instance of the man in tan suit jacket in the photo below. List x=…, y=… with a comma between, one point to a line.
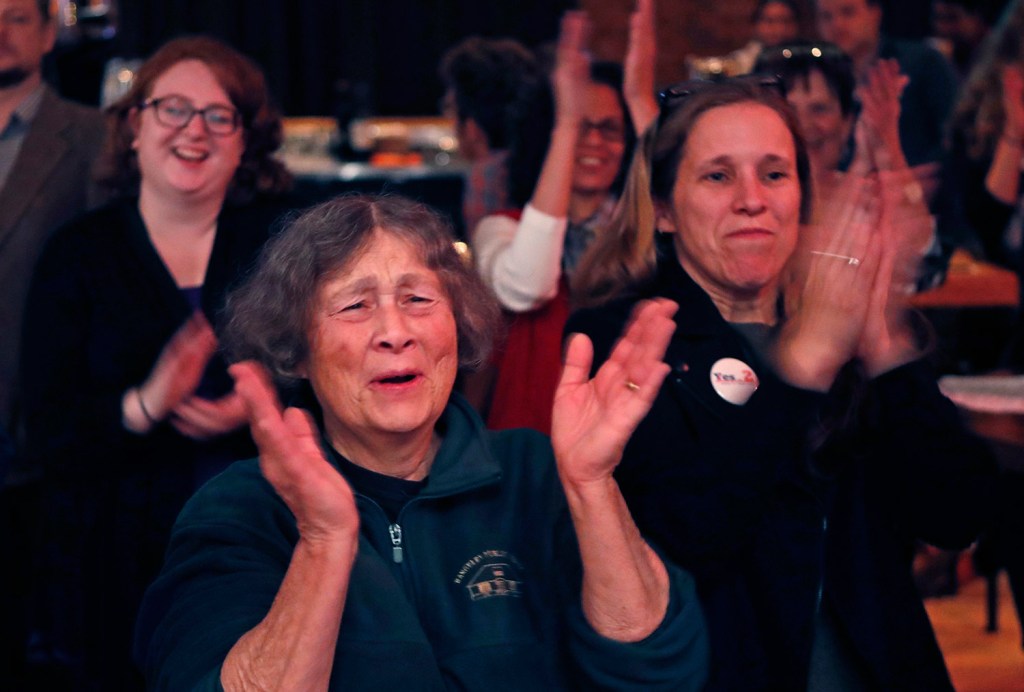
x=47, y=147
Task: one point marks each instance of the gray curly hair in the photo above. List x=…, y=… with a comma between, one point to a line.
x=267, y=318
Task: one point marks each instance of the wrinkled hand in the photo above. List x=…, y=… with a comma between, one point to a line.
x=877, y=131
x=293, y=461
x=593, y=419
x=179, y=367
x=827, y=295
x=638, y=69
x=572, y=68
x=203, y=419
x=1013, y=101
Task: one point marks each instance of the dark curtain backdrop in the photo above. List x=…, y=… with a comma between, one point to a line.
x=323, y=57
x=345, y=57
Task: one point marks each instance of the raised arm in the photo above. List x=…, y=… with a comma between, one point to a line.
x=625, y=584
x=639, y=67
x=293, y=647
x=523, y=262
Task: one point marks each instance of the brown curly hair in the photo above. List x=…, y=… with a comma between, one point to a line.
x=258, y=172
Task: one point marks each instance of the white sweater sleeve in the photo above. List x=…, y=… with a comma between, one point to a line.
x=522, y=261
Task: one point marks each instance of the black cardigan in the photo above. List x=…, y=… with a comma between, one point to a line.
x=101, y=308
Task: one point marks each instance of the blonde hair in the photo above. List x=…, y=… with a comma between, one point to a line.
x=979, y=116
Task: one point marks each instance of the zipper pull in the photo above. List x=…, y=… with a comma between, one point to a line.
x=395, y=532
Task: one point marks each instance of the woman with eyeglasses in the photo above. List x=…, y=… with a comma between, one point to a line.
x=128, y=406
x=565, y=168
x=799, y=448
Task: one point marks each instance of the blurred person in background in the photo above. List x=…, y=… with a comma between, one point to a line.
x=47, y=149
x=566, y=170
x=775, y=22
x=851, y=132
x=485, y=80
x=927, y=99
x=959, y=28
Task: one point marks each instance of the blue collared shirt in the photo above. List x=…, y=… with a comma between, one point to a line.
x=13, y=134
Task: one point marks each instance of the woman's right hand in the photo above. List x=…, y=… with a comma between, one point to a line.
x=174, y=376
x=292, y=460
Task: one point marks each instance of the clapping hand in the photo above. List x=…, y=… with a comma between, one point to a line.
x=826, y=299
x=293, y=461
x=178, y=369
x=202, y=419
x=593, y=419
x=878, y=127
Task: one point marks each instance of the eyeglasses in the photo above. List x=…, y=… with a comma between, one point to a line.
x=609, y=130
x=177, y=112
x=673, y=95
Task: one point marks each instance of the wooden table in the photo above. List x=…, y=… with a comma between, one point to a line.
x=971, y=283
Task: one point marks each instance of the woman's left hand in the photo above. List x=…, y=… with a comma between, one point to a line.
x=905, y=229
x=593, y=419
x=203, y=419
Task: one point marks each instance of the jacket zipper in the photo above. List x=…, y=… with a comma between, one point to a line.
x=395, y=531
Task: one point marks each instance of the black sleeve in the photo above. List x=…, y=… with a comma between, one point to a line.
x=936, y=478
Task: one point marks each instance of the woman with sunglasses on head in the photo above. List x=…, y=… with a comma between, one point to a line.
x=128, y=406
x=565, y=168
x=798, y=449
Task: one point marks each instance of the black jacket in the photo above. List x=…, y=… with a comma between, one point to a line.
x=101, y=308
x=775, y=515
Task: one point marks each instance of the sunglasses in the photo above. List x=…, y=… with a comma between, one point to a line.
x=674, y=95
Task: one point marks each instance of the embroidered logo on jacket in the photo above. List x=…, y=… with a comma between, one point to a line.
x=490, y=574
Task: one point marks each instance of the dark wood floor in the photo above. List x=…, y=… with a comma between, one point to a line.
x=979, y=661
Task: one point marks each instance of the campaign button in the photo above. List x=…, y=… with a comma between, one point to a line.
x=734, y=380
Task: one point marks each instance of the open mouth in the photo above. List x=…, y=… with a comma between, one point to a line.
x=190, y=155
x=393, y=379
x=397, y=379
